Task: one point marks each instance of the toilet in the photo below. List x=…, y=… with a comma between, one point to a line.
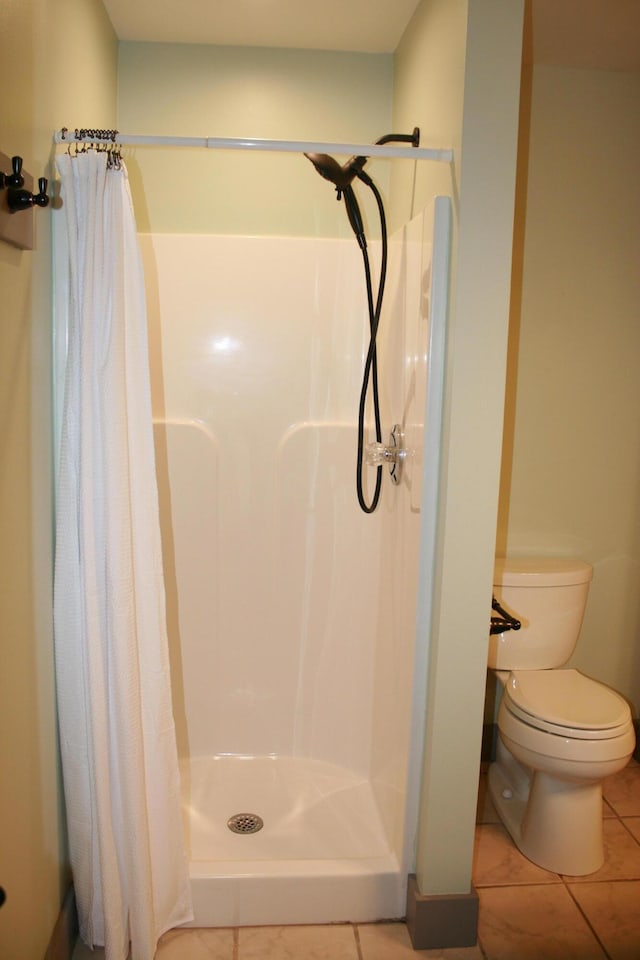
x=560, y=732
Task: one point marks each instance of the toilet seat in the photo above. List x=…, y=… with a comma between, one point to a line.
x=567, y=704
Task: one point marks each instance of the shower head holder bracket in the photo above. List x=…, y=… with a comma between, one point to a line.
x=393, y=454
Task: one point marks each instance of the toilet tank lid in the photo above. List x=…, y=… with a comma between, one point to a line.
x=540, y=572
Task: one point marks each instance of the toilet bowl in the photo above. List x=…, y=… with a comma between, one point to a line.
x=560, y=732
x=554, y=753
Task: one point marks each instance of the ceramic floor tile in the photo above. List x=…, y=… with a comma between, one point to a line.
x=498, y=862
x=331, y=942
x=391, y=941
x=613, y=910
x=534, y=923
x=621, y=855
x=486, y=811
x=633, y=825
x=200, y=944
x=622, y=791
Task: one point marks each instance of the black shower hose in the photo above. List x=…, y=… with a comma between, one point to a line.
x=371, y=364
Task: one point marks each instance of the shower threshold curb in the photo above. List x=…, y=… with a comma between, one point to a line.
x=267, y=893
x=441, y=920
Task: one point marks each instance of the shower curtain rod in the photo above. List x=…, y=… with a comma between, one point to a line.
x=66, y=136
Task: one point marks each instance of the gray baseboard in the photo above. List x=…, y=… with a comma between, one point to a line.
x=65, y=933
x=447, y=920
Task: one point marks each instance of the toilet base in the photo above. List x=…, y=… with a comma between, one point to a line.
x=555, y=823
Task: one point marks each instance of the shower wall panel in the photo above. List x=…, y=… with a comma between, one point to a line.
x=273, y=574
x=298, y=625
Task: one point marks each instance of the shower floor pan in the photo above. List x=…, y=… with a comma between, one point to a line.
x=321, y=856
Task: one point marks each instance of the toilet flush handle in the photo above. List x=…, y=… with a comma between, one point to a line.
x=504, y=621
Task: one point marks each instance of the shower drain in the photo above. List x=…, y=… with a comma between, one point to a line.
x=245, y=823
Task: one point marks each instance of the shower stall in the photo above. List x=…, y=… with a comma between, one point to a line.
x=298, y=626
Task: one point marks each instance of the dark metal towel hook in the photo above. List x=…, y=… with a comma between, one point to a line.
x=14, y=179
x=20, y=199
x=17, y=197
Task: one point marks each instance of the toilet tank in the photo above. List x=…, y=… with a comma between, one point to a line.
x=549, y=598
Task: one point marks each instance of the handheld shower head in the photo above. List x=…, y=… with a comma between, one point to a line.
x=354, y=215
x=330, y=169
x=342, y=177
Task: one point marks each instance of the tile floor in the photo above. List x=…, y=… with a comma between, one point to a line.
x=526, y=913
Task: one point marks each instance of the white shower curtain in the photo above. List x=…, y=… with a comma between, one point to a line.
x=117, y=734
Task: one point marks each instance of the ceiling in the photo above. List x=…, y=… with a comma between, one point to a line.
x=372, y=26
x=601, y=34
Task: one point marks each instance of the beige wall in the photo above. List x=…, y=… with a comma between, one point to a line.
x=571, y=483
x=209, y=91
x=457, y=76
x=578, y=337
x=428, y=93
x=57, y=67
